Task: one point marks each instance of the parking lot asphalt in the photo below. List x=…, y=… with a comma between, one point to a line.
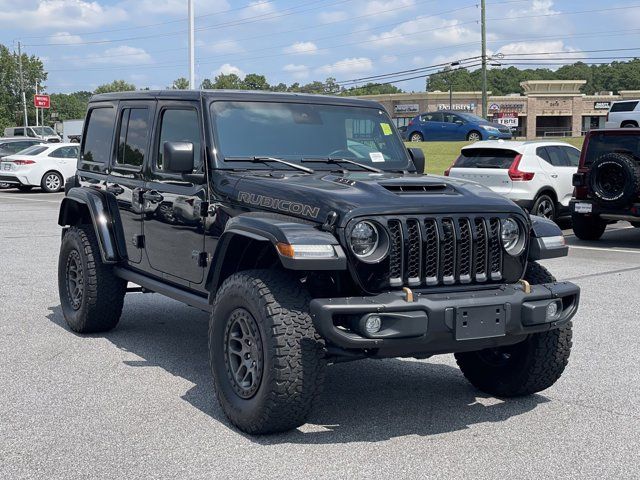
x=138, y=402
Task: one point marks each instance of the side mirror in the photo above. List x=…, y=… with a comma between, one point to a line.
x=459, y=122
x=417, y=156
x=177, y=157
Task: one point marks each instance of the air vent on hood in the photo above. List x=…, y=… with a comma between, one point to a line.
x=408, y=189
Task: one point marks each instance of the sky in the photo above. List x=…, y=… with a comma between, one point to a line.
x=84, y=44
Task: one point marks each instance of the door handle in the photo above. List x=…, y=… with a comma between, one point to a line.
x=152, y=196
x=115, y=189
x=554, y=175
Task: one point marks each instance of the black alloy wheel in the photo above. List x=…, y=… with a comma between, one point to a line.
x=75, y=280
x=244, y=356
x=611, y=180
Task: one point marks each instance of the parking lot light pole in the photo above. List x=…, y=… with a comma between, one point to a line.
x=192, y=68
x=483, y=29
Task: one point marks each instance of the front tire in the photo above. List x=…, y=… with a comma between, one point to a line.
x=416, y=137
x=265, y=355
x=91, y=295
x=524, y=368
x=474, y=136
x=588, y=228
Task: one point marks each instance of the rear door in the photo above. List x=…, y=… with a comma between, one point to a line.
x=125, y=180
x=173, y=224
x=65, y=158
x=560, y=163
x=487, y=166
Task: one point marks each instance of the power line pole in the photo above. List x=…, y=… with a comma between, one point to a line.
x=24, y=95
x=192, y=68
x=483, y=27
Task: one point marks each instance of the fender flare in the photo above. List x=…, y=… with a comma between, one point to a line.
x=104, y=216
x=546, y=240
x=276, y=229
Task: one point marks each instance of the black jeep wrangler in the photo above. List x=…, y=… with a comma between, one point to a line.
x=607, y=185
x=310, y=233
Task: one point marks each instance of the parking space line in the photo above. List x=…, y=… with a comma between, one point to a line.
x=29, y=199
x=605, y=249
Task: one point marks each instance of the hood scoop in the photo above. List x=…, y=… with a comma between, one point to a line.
x=412, y=188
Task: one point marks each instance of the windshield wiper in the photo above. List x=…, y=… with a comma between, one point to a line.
x=337, y=161
x=269, y=159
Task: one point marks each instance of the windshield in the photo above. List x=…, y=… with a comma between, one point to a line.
x=43, y=131
x=471, y=118
x=296, y=131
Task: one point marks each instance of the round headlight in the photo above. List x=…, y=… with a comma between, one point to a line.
x=364, y=239
x=512, y=238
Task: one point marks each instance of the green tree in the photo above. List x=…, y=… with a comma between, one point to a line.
x=115, y=86
x=372, y=89
x=69, y=106
x=225, y=81
x=180, y=84
x=253, y=81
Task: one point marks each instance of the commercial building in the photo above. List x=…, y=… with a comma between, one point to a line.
x=547, y=107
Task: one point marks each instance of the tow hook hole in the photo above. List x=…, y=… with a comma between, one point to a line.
x=464, y=323
x=497, y=320
x=464, y=314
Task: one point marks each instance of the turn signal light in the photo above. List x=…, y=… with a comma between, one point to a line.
x=306, y=251
x=518, y=175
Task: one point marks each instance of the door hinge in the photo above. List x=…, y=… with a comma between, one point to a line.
x=138, y=241
x=203, y=259
x=204, y=209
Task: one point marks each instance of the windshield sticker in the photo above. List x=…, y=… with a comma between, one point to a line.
x=376, y=157
x=386, y=128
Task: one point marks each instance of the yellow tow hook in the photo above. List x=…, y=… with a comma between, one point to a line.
x=526, y=286
x=408, y=294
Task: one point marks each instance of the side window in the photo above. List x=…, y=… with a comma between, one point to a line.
x=134, y=132
x=542, y=153
x=557, y=157
x=64, y=152
x=97, y=141
x=31, y=133
x=180, y=125
x=573, y=156
x=18, y=132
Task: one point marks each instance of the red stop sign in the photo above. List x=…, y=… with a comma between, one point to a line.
x=42, y=101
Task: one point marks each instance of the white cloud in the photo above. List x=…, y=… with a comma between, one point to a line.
x=173, y=7
x=541, y=51
x=347, y=66
x=332, y=17
x=60, y=14
x=122, y=55
x=65, y=38
x=258, y=9
x=227, y=69
x=432, y=31
x=302, y=48
x=222, y=46
x=297, y=71
x=388, y=59
x=383, y=8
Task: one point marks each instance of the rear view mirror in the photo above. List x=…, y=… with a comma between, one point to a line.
x=417, y=156
x=177, y=157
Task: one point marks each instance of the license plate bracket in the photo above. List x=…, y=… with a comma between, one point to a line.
x=583, y=207
x=473, y=323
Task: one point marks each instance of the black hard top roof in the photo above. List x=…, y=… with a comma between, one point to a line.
x=233, y=95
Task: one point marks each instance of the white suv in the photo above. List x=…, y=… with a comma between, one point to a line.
x=624, y=114
x=537, y=175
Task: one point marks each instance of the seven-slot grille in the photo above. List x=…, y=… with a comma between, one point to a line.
x=444, y=250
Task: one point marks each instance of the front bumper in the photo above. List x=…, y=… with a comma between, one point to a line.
x=443, y=322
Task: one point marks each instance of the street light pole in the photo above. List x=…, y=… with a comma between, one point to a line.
x=192, y=68
x=483, y=28
x=24, y=95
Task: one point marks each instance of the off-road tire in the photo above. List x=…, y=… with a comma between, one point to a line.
x=621, y=195
x=293, y=362
x=587, y=227
x=102, y=297
x=534, y=364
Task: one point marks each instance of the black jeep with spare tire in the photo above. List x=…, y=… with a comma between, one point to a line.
x=607, y=184
x=311, y=235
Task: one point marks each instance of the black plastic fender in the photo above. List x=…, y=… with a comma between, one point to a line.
x=547, y=240
x=104, y=216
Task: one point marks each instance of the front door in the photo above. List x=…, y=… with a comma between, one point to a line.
x=173, y=205
x=125, y=180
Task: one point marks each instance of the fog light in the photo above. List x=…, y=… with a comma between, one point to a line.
x=553, y=310
x=373, y=324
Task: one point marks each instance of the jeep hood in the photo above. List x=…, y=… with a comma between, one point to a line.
x=351, y=194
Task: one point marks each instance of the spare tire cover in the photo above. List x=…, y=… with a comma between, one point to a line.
x=614, y=179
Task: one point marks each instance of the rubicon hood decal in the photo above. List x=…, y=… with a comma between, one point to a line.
x=279, y=204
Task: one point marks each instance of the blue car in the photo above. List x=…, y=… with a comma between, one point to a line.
x=446, y=125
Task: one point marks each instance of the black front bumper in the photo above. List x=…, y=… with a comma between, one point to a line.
x=443, y=322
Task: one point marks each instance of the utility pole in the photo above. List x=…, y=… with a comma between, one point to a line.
x=192, y=68
x=483, y=27
x=24, y=95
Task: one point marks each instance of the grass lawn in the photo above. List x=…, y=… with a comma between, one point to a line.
x=440, y=155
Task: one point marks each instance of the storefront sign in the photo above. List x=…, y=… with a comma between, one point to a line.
x=507, y=119
x=461, y=107
x=601, y=105
x=406, y=108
